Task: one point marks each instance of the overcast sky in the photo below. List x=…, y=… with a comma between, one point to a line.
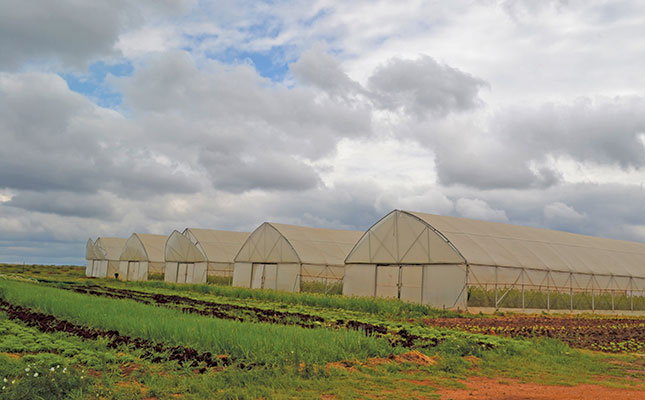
x=149, y=116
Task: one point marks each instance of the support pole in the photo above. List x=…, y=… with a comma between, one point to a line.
x=548, y=298
x=611, y=281
x=522, y=288
x=631, y=294
x=593, y=298
x=571, y=291
x=467, y=286
x=496, y=308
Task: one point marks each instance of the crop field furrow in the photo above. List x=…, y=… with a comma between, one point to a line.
x=609, y=334
x=400, y=337
x=154, y=352
x=258, y=343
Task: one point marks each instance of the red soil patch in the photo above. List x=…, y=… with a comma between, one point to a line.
x=128, y=369
x=414, y=357
x=13, y=355
x=346, y=365
x=487, y=388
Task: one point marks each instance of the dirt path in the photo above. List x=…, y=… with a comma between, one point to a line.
x=509, y=389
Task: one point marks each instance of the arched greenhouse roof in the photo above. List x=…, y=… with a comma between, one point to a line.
x=144, y=247
x=90, y=253
x=282, y=243
x=404, y=237
x=109, y=248
x=217, y=245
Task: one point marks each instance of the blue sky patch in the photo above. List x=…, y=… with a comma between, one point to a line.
x=93, y=86
x=272, y=64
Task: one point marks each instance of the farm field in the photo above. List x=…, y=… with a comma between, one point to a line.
x=65, y=336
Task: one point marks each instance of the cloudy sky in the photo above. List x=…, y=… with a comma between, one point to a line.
x=148, y=116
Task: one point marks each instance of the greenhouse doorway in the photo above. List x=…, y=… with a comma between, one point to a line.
x=185, y=272
x=404, y=282
x=133, y=270
x=264, y=276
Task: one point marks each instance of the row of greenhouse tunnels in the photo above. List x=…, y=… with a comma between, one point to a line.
x=445, y=262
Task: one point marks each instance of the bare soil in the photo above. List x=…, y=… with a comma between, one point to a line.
x=509, y=389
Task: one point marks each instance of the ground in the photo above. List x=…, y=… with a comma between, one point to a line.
x=66, y=336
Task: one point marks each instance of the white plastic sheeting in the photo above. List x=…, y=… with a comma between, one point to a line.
x=280, y=256
x=142, y=254
x=103, y=256
x=455, y=254
x=90, y=256
x=196, y=253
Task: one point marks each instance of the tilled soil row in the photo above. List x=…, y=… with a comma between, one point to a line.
x=607, y=334
x=253, y=314
x=152, y=351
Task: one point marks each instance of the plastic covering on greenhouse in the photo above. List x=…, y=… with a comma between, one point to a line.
x=463, y=263
x=289, y=257
x=90, y=256
x=195, y=254
x=143, y=254
x=107, y=251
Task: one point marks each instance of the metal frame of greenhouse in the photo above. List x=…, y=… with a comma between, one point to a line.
x=283, y=257
x=195, y=254
x=460, y=263
x=142, y=254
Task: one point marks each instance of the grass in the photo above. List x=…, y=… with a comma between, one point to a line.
x=219, y=280
x=331, y=288
x=60, y=272
x=155, y=276
x=260, y=343
x=381, y=307
x=122, y=374
x=555, y=300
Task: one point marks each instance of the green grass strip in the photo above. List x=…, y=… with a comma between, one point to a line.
x=381, y=307
x=265, y=343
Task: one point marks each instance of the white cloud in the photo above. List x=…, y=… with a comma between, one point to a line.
x=515, y=111
x=559, y=210
x=479, y=209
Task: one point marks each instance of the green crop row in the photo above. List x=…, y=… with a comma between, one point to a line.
x=555, y=300
x=260, y=343
x=381, y=307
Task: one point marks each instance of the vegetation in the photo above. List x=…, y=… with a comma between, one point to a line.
x=220, y=280
x=555, y=300
x=60, y=272
x=381, y=307
x=155, y=276
x=259, y=343
x=283, y=345
x=335, y=287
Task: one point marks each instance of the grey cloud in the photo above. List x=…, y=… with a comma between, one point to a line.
x=54, y=139
x=69, y=31
x=601, y=131
x=43, y=252
x=237, y=122
x=64, y=203
x=482, y=167
x=607, y=210
x=479, y=209
x=236, y=99
x=423, y=87
x=258, y=171
x=515, y=148
x=318, y=68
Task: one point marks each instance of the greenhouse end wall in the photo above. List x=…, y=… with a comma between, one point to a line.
x=437, y=285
